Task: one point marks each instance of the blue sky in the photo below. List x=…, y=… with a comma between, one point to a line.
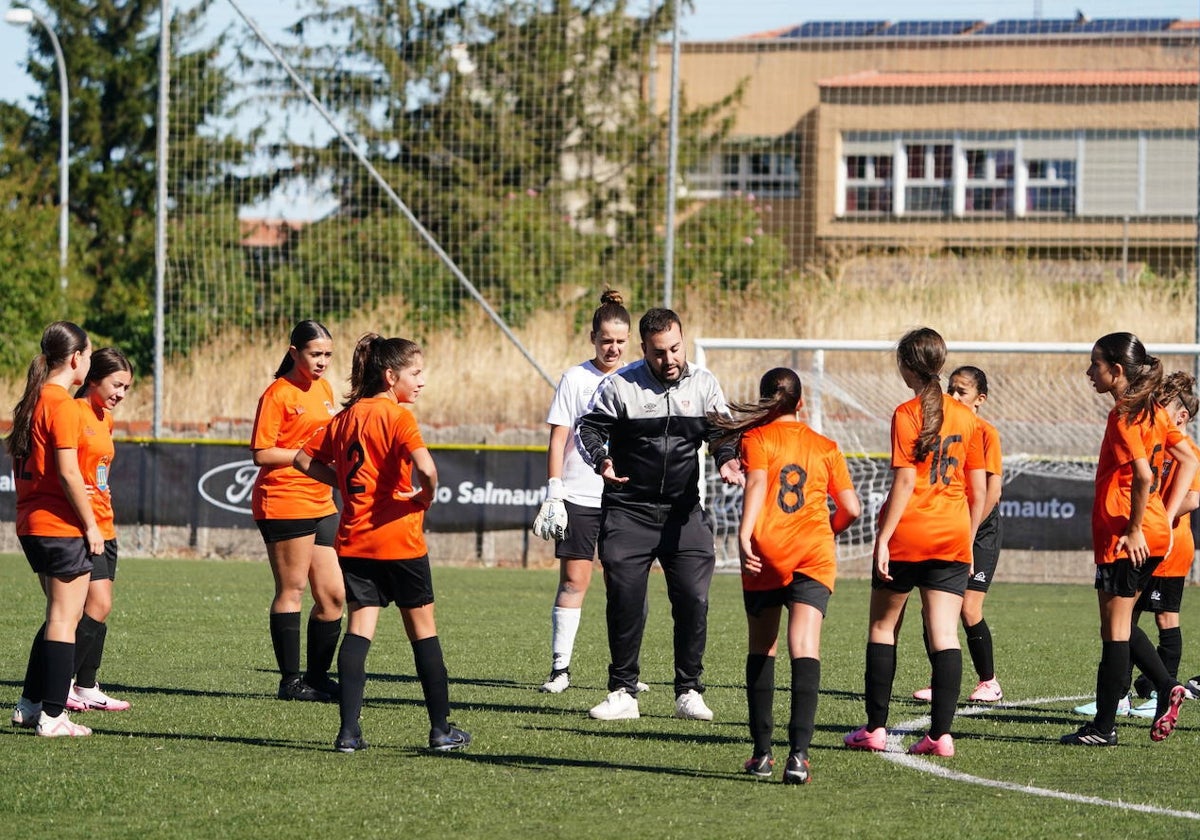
x=714, y=19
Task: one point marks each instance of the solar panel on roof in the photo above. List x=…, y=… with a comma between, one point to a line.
x=1027, y=27
x=1125, y=25
x=928, y=27
x=837, y=28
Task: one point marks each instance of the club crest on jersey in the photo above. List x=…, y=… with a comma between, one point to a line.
x=329, y=407
x=686, y=403
x=648, y=407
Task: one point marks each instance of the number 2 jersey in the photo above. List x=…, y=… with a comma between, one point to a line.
x=793, y=532
x=1123, y=444
x=42, y=506
x=370, y=445
x=936, y=524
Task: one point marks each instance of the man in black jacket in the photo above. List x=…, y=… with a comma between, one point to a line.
x=643, y=434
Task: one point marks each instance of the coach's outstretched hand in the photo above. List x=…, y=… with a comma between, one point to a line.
x=551, y=520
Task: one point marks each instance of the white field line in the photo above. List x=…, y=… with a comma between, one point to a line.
x=896, y=754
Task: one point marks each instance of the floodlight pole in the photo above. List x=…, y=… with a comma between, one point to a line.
x=23, y=16
x=672, y=163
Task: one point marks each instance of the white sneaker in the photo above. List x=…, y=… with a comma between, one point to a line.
x=618, y=705
x=557, y=682
x=1148, y=710
x=80, y=699
x=25, y=715
x=1123, y=708
x=59, y=727
x=691, y=706
x=641, y=686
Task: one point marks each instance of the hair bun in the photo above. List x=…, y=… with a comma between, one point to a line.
x=612, y=296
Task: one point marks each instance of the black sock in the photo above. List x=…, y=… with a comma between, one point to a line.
x=322, y=645
x=35, y=668
x=58, y=659
x=352, y=674
x=946, y=683
x=285, y=638
x=1146, y=658
x=1170, y=649
x=760, y=694
x=925, y=641
x=435, y=683
x=979, y=643
x=1112, y=682
x=806, y=680
x=87, y=635
x=880, y=673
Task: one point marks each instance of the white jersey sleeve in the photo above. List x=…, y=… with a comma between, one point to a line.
x=571, y=401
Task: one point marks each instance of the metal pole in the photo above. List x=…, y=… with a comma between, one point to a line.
x=672, y=164
x=160, y=214
x=22, y=16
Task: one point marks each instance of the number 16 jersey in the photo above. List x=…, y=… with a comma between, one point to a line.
x=936, y=524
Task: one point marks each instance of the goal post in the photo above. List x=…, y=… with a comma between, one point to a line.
x=1050, y=422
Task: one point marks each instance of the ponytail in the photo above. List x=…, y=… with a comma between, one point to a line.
x=779, y=393
x=60, y=341
x=922, y=352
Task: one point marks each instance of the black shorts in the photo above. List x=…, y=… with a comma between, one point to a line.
x=985, y=553
x=1162, y=595
x=802, y=590
x=583, y=529
x=60, y=557
x=1120, y=578
x=104, y=566
x=377, y=583
x=940, y=575
x=278, y=530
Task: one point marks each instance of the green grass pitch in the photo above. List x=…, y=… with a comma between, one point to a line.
x=207, y=752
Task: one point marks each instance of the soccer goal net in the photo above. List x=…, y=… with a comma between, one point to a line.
x=1049, y=418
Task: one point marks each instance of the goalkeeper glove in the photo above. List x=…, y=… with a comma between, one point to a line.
x=551, y=520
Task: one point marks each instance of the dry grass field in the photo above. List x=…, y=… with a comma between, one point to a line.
x=477, y=378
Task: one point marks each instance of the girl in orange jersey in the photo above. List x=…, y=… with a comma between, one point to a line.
x=370, y=452
x=107, y=383
x=969, y=386
x=926, y=529
x=55, y=523
x=1164, y=596
x=1131, y=528
x=786, y=543
x=297, y=517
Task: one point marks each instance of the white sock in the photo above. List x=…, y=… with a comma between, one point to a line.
x=564, y=624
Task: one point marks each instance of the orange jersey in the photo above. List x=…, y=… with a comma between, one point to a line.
x=1178, y=561
x=1123, y=444
x=42, y=506
x=793, y=532
x=287, y=417
x=993, y=458
x=371, y=445
x=936, y=524
x=96, y=451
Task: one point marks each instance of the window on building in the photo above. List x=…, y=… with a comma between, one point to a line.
x=731, y=172
x=989, y=183
x=927, y=190
x=869, y=184
x=1050, y=188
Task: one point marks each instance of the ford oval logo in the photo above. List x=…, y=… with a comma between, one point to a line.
x=229, y=486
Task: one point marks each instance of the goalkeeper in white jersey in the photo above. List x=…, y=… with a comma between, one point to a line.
x=571, y=513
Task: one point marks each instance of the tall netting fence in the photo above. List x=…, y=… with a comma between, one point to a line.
x=453, y=172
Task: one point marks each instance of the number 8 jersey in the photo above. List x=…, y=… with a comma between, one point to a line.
x=936, y=524
x=793, y=532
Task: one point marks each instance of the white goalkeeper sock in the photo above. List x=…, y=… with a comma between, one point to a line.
x=564, y=624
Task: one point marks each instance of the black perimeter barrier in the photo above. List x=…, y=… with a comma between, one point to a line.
x=207, y=485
